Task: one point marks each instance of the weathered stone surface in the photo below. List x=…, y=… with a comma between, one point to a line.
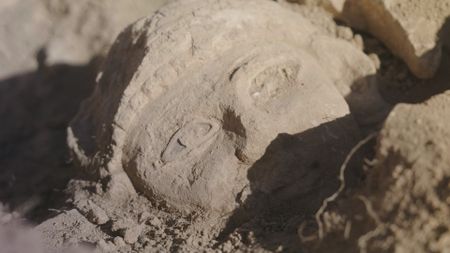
x=410, y=186
x=70, y=32
x=340, y=53
x=192, y=111
x=404, y=205
x=413, y=30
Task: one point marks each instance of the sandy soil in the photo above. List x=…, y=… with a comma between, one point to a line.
x=51, y=203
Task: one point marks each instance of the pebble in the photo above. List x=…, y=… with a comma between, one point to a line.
x=144, y=216
x=122, y=224
x=97, y=214
x=358, y=41
x=119, y=242
x=155, y=222
x=227, y=247
x=93, y=212
x=104, y=246
x=376, y=60
x=131, y=235
x=344, y=32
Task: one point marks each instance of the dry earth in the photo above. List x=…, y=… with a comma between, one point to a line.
x=224, y=126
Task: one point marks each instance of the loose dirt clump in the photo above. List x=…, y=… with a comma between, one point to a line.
x=415, y=31
x=402, y=206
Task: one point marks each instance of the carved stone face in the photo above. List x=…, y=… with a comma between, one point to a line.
x=196, y=143
x=205, y=87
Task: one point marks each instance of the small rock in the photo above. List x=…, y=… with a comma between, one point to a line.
x=98, y=189
x=93, y=212
x=144, y=216
x=358, y=41
x=143, y=240
x=376, y=60
x=152, y=242
x=227, y=247
x=119, y=242
x=97, y=214
x=132, y=234
x=280, y=249
x=104, y=246
x=122, y=224
x=344, y=32
x=155, y=222
x=128, y=229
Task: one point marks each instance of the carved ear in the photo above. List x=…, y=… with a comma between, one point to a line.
x=354, y=75
x=344, y=62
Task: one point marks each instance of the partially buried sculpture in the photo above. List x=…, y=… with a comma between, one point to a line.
x=190, y=99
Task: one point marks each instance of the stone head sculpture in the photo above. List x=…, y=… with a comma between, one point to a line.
x=190, y=99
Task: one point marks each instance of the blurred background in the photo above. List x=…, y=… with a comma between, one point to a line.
x=50, y=51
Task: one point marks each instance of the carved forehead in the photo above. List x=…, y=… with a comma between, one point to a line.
x=181, y=37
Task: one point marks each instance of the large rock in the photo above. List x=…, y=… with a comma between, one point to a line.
x=340, y=53
x=209, y=101
x=404, y=205
x=70, y=32
x=410, y=186
x=413, y=30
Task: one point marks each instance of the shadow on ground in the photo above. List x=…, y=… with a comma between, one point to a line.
x=290, y=181
x=417, y=90
x=35, y=109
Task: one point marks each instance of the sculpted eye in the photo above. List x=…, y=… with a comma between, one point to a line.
x=270, y=84
x=188, y=138
x=273, y=84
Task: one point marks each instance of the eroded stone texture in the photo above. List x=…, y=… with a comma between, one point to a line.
x=404, y=206
x=70, y=32
x=412, y=180
x=340, y=53
x=24, y=29
x=87, y=28
x=413, y=30
x=209, y=101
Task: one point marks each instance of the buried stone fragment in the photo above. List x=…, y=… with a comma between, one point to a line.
x=207, y=102
x=414, y=30
x=404, y=204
